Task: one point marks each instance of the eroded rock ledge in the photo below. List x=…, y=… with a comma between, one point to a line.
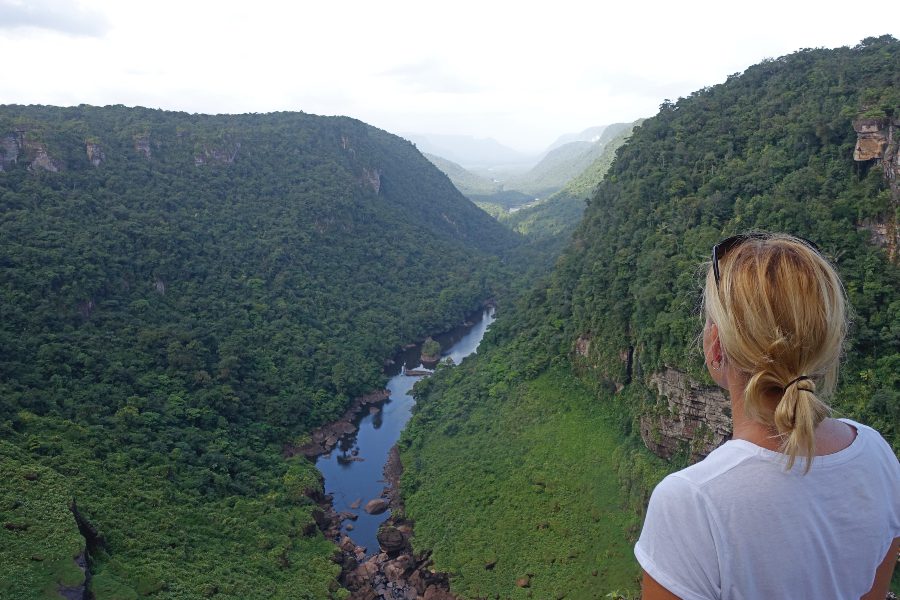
x=878, y=141
x=692, y=416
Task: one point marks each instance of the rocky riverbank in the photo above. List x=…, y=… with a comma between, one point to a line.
x=396, y=572
x=325, y=438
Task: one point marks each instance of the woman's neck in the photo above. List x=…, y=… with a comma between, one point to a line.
x=831, y=435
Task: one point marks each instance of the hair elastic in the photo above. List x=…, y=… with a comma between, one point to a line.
x=793, y=381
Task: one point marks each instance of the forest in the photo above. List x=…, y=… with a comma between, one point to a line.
x=182, y=297
x=550, y=413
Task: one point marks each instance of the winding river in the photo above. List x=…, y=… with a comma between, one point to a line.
x=354, y=469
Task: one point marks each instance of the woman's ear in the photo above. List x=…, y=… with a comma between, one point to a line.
x=712, y=353
x=716, y=354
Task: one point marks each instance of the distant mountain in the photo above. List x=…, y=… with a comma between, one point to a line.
x=469, y=151
x=465, y=181
x=590, y=135
x=565, y=162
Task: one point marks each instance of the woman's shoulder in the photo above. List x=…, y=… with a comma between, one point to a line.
x=722, y=461
x=872, y=442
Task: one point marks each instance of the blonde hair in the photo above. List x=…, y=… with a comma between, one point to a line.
x=781, y=314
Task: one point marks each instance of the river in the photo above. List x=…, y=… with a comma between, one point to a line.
x=354, y=469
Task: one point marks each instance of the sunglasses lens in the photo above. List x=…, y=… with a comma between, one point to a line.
x=722, y=248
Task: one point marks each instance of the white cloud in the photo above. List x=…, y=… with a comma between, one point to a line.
x=53, y=15
x=520, y=72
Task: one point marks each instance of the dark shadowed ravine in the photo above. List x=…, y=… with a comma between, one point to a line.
x=354, y=469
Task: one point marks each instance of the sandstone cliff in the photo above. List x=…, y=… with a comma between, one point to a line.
x=690, y=416
x=221, y=155
x=878, y=141
x=94, y=153
x=16, y=145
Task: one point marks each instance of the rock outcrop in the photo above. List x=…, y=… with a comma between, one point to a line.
x=42, y=159
x=376, y=506
x=878, y=140
x=11, y=145
x=142, y=144
x=217, y=155
x=583, y=346
x=692, y=417
x=95, y=153
x=372, y=179
x=872, y=138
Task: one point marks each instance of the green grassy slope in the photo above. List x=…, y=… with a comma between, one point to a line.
x=526, y=486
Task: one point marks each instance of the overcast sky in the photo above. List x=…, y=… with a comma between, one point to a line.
x=520, y=72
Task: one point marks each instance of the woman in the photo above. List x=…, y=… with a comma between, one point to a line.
x=797, y=504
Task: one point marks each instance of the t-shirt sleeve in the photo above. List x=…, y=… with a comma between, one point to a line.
x=677, y=546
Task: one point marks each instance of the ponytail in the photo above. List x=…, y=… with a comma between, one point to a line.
x=796, y=418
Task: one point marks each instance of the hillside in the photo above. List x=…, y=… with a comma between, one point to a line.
x=183, y=295
x=596, y=375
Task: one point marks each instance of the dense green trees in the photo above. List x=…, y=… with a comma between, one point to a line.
x=215, y=287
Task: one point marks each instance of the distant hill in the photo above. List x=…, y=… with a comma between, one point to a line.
x=590, y=135
x=181, y=297
x=563, y=163
x=469, y=151
x=486, y=193
x=465, y=181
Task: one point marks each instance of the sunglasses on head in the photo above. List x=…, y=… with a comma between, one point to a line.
x=722, y=248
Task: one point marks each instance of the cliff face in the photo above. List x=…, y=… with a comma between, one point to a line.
x=142, y=145
x=223, y=155
x=10, y=145
x=878, y=140
x=16, y=144
x=690, y=416
x=42, y=158
x=94, y=153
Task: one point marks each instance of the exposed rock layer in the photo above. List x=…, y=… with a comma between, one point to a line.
x=693, y=417
x=878, y=140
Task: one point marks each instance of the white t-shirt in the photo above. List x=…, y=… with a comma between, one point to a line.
x=737, y=526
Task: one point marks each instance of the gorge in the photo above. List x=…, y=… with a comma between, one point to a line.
x=193, y=306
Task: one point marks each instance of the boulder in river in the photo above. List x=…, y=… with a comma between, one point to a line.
x=391, y=539
x=377, y=506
